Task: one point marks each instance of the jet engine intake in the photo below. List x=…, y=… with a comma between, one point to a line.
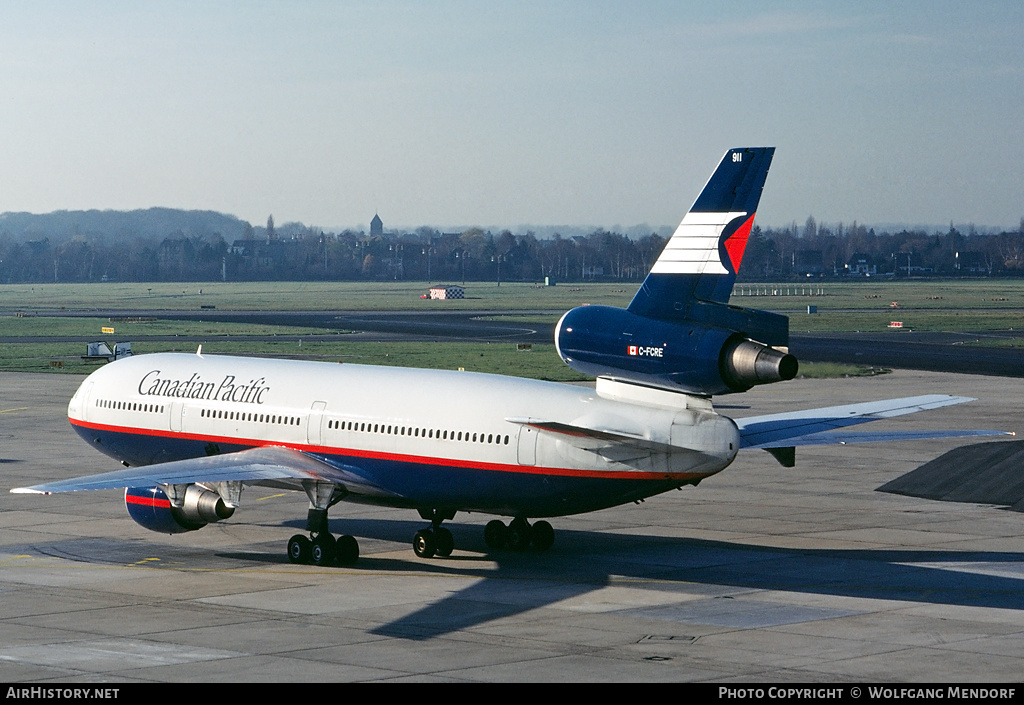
x=149, y=507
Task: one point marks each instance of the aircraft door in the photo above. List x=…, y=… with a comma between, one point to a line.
x=314, y=425
x=527, y=445
x=78, y=407
x=177, y=411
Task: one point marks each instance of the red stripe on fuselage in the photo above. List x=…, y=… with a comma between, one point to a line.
x=395, y=457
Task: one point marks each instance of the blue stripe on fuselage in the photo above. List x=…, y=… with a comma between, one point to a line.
x=508, y=490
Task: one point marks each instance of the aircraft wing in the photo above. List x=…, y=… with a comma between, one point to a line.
x=823, y=426
x=248, y=466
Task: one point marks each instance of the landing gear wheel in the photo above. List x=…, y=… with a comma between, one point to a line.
x=495, y=534
x=444, y=542
x=424, y=544
x=299, y=549
x=346, y=550
x=519, y=535
x=323, y=549
x=543, y=535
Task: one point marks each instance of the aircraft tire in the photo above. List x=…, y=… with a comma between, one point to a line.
x=299, y=549
x=543, y=535
x=424, y=544
x=322, y=549
x=445, y=542
x=519, y=534
x=495, y=534
x=346, y=550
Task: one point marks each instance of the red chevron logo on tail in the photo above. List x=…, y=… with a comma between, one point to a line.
x=736, y=244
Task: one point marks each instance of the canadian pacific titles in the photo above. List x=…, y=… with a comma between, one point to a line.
x=195, y=387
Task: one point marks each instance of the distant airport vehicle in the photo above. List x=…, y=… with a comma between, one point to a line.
x=193, y=430
x=100, y=351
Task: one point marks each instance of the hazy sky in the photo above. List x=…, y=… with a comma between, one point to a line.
x=461, y=113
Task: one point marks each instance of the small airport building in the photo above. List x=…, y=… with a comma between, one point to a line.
x=447, y=291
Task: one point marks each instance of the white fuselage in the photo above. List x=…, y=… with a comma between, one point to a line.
x=428, y=438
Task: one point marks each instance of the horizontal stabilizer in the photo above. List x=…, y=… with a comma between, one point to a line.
x=843, y=438
x=816, y=426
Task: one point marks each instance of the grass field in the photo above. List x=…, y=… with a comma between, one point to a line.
x=917, y=294
x=926, y=305
x=57, y=326
x=304, y=296
x=542, y=362
x=868, y=295
x=865, y=305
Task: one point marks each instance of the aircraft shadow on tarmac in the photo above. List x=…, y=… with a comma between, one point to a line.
x=585, y=562
x=582, y=562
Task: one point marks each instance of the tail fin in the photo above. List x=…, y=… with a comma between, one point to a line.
x=679, y=332
x=701, y=260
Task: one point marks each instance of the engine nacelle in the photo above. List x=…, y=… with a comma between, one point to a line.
x=685, y=356
x=149, y=507
x=745, y=363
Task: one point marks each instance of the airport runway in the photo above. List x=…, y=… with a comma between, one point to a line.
x=934, y=351
x=761, y=574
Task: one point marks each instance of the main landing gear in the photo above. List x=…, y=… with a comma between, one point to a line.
x=322, y=548
x=519, y=535
x=434, y=540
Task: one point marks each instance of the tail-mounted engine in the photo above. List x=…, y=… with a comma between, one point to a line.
x=745, y=363
x=691, y=356
x=151, y=508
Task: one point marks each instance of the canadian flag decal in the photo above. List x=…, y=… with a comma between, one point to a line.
x=632, y=350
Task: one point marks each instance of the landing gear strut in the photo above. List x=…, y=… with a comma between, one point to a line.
x=322, y=548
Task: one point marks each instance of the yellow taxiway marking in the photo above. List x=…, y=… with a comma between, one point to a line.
x=20, y=408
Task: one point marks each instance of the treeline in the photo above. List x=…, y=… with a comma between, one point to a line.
x=856, y=250
x=215, y=248
x=295, y=252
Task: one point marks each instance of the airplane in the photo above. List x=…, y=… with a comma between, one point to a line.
x=193, y=430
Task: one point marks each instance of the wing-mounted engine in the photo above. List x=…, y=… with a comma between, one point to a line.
x=685, y=356
x=151, y=508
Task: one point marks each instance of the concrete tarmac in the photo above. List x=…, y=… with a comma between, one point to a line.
x=761, y=574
